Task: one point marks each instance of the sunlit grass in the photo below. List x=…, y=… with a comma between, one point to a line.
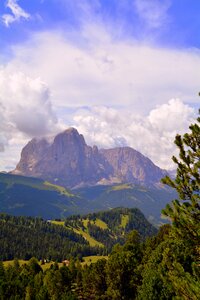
x=124, y=220
x=120, y=187
x=8, y=263
x=101, y=224
x=91, y=240
x=59, y=188
x=87, y=260
x=61, y=223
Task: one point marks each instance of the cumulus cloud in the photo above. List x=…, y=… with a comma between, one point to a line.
x=152, y=135
x=17, y=13
x=25, y=108
x=153, y=12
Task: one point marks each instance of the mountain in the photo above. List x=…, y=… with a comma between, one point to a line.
x=70, y=162
x=92, y=234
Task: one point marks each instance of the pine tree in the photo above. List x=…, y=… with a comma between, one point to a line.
x=185, y=211
x=182, y=258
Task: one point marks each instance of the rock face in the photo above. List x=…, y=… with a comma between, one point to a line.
x=131, y=166
x=70, y=162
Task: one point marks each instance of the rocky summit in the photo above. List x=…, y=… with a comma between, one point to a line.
x=67, y=160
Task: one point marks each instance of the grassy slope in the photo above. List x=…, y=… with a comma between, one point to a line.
x=87, y=260
x=90, y=239
x=100, y=224
x=84, y=233
x=28, y=196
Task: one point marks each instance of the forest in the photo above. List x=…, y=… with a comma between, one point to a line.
x=164, y=266
x=24, y=237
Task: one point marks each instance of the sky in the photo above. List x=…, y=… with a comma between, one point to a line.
x=124, y=73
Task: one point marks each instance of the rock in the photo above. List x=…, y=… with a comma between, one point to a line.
x=70, y=162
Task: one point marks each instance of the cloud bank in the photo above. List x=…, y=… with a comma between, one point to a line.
x=152, y=135
x=99, y=70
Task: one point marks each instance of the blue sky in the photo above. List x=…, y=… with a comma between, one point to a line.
x=175, y=25
x=122, y=72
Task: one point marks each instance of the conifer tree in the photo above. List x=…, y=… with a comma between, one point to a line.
x=185, y=211
x=183, y=265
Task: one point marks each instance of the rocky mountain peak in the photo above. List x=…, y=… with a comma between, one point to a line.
x=69, y=161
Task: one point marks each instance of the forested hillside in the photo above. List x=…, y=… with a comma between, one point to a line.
x=111, y=227
x=24, y=237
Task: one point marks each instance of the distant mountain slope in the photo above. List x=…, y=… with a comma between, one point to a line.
x=150, y=200
x=70, y=162
x=24, y=237
x=28, y=196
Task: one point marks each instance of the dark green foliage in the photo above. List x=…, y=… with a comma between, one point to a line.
x=122, y=276
x=185, y=211
x=167, y=271
x=91, y=283
x=115, y=233
x=24, y=237
x=30, y=282
x=171, y=269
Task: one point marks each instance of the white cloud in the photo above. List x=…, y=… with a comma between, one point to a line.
x=153, y=136
x=153, y=12
x=170, y=116
x=102, y=71
x=13, y=143
x=17, y=13
x=25, y=109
